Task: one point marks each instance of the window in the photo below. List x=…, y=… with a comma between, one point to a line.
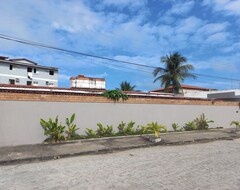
x=10, y=67
x=29, y=69
x=11, y=81
x=29, y=82
x=17, y=80
x=47, y=82
x=35, y=82
x=51, y=72
x=35, y=70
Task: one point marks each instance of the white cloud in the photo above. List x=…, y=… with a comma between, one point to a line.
x=125, y=3
x=217, y=37
x=181, y=8
x=189, y=25
x=232, y=48
x=230, y=7
x=102, y=75
x=211, y=28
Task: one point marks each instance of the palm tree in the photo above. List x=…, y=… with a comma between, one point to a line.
x=174, y=72
x=126, y=86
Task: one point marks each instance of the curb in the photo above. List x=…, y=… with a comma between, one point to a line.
x=111, y=150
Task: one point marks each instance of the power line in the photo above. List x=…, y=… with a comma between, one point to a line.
x=68, y=51
x=27, y=42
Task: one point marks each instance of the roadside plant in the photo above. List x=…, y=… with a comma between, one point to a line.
x=236, y=123
x=121, y=128
x=126, y=129
x=115, y=95
x=155, y=128
x=104, y=131
x=140, y=130
x=71, y=128
x=176, y=127
x=190, y=126
x=202, y=122
x=53, y=130
x=90, y=133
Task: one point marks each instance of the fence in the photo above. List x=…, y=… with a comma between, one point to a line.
x=21, y=112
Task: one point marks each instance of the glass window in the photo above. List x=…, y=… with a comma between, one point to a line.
x=29, y=69
x=51, y=72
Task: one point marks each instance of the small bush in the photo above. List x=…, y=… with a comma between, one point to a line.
x=236, y=123
x=176, y=127
x=140, y=130
x=190, y=126
x=202, y=122
x=126, y=129
x=104, y=131
x=115, y=95
x=53, y=130
x=71, y=128
x=155, y=128
x=90, y=133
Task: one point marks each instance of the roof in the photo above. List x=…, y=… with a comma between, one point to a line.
x=25, y=62
x=82, y=77
x=184, y=86
x=83, y=91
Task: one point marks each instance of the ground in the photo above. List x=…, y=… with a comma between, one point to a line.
x=214, y=165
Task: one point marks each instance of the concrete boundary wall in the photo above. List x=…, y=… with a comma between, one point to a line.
x=20, y=113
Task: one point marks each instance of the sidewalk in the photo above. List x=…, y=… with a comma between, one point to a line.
x=40, y=152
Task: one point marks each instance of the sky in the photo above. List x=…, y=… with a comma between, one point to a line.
x=206, y=32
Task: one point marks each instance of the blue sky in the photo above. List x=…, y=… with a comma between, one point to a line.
x=206, y=32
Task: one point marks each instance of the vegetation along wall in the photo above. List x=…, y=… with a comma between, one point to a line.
x=21, y=112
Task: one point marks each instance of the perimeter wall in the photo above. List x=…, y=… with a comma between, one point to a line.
x=21, y=112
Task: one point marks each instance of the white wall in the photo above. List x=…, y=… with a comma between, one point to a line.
x=20, y=119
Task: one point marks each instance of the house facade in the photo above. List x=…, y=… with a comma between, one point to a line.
x=188, y=91
x=87, y=82
x=25, y=72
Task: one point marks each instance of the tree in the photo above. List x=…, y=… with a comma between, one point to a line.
x=174, y=71
x=126, y=86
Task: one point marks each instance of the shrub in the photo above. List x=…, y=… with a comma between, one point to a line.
x=140, y=130
x=53, y=130
x=115, y=95
x=190, y=126
x=126, y=129
x=176, y=127
x=71, y=128
x=121, y=128
x=202, y=122
x=90, y=133
x=155, y=128
x=104, y=131
x=236, y=123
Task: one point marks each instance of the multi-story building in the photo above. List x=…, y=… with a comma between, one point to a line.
x=87, y=82
x=25, y=72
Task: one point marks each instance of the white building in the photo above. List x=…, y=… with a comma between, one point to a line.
x=233, y=95
x=25, y=72
x=189, y=91
x=87, y=82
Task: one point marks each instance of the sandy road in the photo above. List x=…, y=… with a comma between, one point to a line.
x=214, y=165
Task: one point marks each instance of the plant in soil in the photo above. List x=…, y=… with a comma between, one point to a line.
x=104, y=131
x=71, y=128
x=236, y=123
x=202, y=123
x=190, y=126
x=176, y=127
x=53, y=130
x=155, y=128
